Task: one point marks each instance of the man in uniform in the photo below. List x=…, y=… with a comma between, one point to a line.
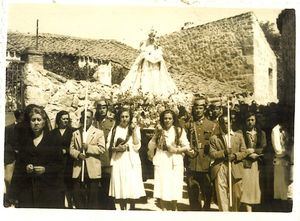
x=104, y=123
x=199, y=130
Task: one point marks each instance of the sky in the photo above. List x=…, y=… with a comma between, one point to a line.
x=127, y=23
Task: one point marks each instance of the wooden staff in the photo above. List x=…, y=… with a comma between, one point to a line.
x=229, y=147
x=196, y=138
x=196, y=148
x=84, y=133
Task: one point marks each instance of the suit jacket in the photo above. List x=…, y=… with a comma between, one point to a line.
x=217, y=150
x=95, y=139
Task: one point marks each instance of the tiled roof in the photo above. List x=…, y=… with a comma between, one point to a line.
x=97, y=49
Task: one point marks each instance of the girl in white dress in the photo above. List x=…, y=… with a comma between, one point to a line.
x=149, y=71
x=124, y=142
x=168, y=146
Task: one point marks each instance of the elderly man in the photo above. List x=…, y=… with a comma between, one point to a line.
x=222, y=154
x=87, y=147
x=199, y=130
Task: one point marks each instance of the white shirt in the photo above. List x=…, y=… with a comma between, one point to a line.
x=279, y=140
x=226, y=137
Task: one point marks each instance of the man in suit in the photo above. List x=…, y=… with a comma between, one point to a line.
x=104, y=123
x=222, y=154
x=87, y=146
x=199, y=130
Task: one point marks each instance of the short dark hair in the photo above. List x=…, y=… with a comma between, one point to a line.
x=106, y=102
x=18, y=113
x=249, y=114
x=221, y=118
x=194, y=105
x=83, y=114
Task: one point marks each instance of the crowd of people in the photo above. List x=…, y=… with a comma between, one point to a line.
x=98, y=165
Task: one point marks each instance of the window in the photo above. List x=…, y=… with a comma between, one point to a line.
x=271, y=82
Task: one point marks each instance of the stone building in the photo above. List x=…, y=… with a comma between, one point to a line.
x=224, y=56
x=65, y=58
x=67, y=55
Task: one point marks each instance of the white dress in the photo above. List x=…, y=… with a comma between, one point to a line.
x=149, y=74
x=168, y=168
x=126, y=178
x=282, y=167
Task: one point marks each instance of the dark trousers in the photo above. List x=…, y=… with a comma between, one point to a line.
x=204, y=188
x=68, y=191
x=106, y=202
x=86, y=193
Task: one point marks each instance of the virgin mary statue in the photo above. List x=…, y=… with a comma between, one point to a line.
x=149, y=73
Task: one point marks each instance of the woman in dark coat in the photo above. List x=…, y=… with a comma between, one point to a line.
x=61, y=138
x=39, y=165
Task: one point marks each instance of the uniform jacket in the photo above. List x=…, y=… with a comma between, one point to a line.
x=217, y=153
x=95, y=139
x=204, y=129
x=105, y=125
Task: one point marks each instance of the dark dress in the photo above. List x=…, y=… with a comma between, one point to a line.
x=44, y=190
x=63, y=142
x=10, y=143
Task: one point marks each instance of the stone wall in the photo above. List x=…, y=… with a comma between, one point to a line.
x=56, y=93
x=265, y=67
x=218, y=56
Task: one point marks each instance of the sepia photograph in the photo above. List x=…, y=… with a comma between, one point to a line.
x=178, y=106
